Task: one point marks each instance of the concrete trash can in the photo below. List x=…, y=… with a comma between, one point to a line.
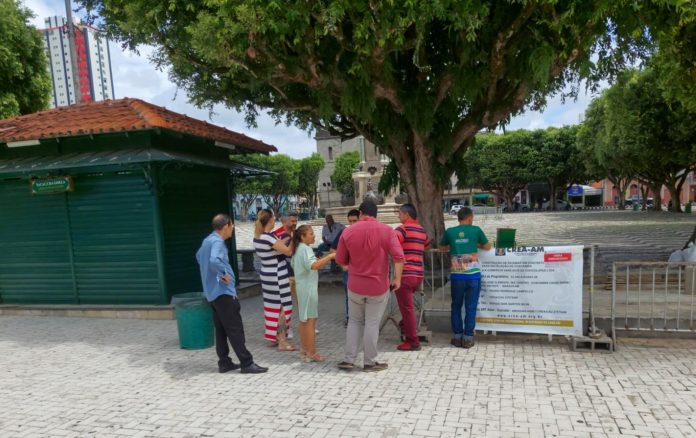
x=194, y=321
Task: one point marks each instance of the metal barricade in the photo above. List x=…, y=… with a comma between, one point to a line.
x=653, y=296
x=438, y=296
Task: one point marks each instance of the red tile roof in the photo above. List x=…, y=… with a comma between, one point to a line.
x=121, y=115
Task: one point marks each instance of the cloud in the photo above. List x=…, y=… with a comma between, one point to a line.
x=44, y=9
x=556, y=113
x=135, y=76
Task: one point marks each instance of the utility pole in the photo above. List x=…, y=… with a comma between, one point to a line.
x=71, y=31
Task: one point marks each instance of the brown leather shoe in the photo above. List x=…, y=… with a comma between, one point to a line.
x=377, y=366
x=456, y=342
x=467, y=344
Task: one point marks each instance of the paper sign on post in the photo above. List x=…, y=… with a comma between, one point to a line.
x=531, y=290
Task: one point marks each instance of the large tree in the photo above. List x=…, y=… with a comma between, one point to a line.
x=25, y=83
x=501, y=164
x=417, y=78
x=276, y=188
x=599, y=146
x=556, y=159
x=342, y=176
x=658, y=132
x=308, y=182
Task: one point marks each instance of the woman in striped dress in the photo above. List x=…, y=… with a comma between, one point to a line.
x=275, y=279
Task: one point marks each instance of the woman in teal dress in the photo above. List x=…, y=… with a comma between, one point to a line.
x=305, y=264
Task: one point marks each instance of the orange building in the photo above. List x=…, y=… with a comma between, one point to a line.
x=611, y=195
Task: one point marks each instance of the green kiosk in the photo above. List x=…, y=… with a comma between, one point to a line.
x=107, y=202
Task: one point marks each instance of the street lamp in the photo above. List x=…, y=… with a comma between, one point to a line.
x=327, y=185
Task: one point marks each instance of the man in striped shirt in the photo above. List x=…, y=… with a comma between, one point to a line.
x=413, y=239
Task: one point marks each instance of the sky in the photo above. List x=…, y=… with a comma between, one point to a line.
x=135, y=76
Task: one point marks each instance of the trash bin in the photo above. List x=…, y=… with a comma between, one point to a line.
x=636, y=206
x=194, y=321
x=687, y=207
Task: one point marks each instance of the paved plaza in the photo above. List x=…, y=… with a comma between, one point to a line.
x=649, y=232
x=119, y=377
x=116, y=377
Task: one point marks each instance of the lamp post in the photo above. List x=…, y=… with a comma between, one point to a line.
x=327, y=185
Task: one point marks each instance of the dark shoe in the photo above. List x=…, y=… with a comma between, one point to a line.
x=467, y=344
x=456, y=342
x=406, y=346
x=227, y=366
x=345, y=365
x=376, y=367
x=254, y=369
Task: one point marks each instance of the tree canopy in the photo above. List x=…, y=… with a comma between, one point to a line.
x=640, y=129
x=417, y=78
x=276, y=188
x=556, y=159
x=25, y=82
x=308, y=182
x=342, y=176
x=501, y=164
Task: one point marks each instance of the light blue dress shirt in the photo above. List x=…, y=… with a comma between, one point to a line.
x=214, y=263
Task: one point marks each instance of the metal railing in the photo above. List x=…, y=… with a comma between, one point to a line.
x=438, y=298
x=653, y=296
x=437, y=271
x=638, y=295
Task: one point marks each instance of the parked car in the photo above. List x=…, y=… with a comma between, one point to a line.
x=650, y=202
x=455, y=209
x=560, y=205
x=515, y=207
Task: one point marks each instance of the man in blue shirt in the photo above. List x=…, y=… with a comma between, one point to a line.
x=218, y=285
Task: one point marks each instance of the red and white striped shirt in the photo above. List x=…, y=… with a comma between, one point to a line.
x=413, y=239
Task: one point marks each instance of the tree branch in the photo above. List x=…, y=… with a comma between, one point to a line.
x=389, y=94
x=497, y=66
x=443, y=89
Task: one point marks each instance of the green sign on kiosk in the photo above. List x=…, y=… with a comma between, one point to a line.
x=45, y=186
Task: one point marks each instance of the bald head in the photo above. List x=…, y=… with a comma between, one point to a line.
x=220, y=220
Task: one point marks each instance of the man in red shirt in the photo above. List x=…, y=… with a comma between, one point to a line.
x=413, y=239
x=365, y=248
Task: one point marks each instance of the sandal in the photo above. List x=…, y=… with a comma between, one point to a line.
x=284, y=346
x=314, y=358
x=271, y=344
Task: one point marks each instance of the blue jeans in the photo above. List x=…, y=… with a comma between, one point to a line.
x=322, y=248
x=465, y=295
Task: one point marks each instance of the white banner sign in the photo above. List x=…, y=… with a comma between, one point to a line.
x=531, y=290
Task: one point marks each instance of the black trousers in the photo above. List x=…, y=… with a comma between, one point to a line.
x=228, y=325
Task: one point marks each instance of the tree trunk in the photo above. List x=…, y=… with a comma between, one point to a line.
x=620, y=185
x=426, y=196
x=510, y=204
x=675, y=186
x=423, y=189
x=644, y=189
x=552, y=200
x=657, y=196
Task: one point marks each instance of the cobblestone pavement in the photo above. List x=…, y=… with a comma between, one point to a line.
x=104, y=377
x=620, y=235
x=604, y=227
